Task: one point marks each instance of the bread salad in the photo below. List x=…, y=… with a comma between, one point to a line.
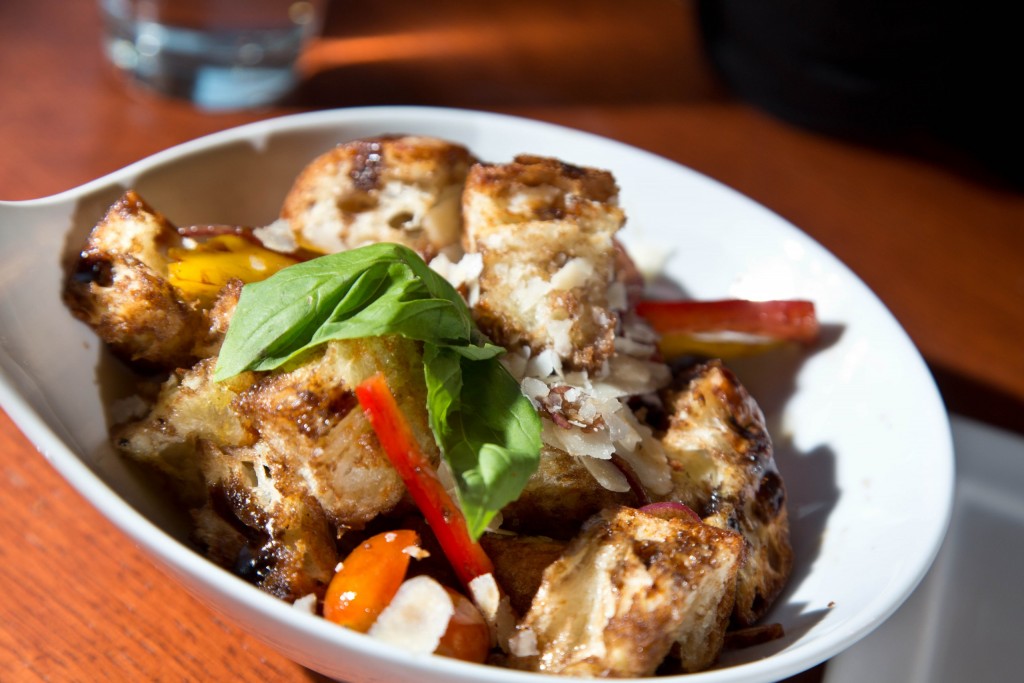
x=431, y=404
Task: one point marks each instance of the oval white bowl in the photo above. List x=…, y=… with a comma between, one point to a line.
x=861, y=434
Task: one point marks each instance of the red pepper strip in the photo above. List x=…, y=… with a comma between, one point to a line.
x=442, y=514
x=792, y=320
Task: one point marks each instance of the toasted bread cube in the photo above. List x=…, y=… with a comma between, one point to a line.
x=313, y=461
x=119, y=287
x=630, y=588
x=309, y=418
x=403, y=189
x=304, y=419
x=559, y=497
x=545, y=230
x=277, y=530
x=723, y=467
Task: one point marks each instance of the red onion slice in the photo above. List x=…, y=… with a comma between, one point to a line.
x=670, y=509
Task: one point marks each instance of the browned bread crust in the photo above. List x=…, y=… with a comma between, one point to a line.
x=403, y=189
x=546, y=232
x=723, y=467
x=119, y=287
x=629, y=589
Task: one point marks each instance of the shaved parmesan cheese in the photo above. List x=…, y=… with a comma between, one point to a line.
x=595, y=444
x=277, y=236
x=574, y=273
x=417, y=617
x=544, y=364
x=606, y=474
x=464, y=272
x=523, y=643
x=531, y=293
x=486, y=595
x=307, y=603
x=416, y=552
x=560, y=332
x=495, y=609
x=534, y=389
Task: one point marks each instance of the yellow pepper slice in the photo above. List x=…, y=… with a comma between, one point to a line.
x=202, y=271
x=677, y=344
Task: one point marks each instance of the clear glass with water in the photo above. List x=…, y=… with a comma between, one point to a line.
x=219, y=54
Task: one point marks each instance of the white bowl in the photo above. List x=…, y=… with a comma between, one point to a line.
x=861, y=435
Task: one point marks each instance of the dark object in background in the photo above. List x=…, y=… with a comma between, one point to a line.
x=933, y=76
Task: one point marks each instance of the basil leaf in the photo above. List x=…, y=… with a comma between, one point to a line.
x=487, y=431
x=375, y=290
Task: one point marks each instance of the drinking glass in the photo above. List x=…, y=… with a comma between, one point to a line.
x=219, y=54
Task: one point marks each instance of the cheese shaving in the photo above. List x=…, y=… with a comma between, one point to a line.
x=417, y=616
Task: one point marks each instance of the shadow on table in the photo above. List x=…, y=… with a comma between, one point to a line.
x=971, y=398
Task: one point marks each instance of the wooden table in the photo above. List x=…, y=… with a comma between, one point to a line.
x=942, y=244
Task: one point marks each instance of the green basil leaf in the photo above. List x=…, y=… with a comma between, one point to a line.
x=375, y=290
x=482, y=352
x=486, y=429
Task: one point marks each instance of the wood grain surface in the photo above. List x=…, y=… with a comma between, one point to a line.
x=938, y=236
